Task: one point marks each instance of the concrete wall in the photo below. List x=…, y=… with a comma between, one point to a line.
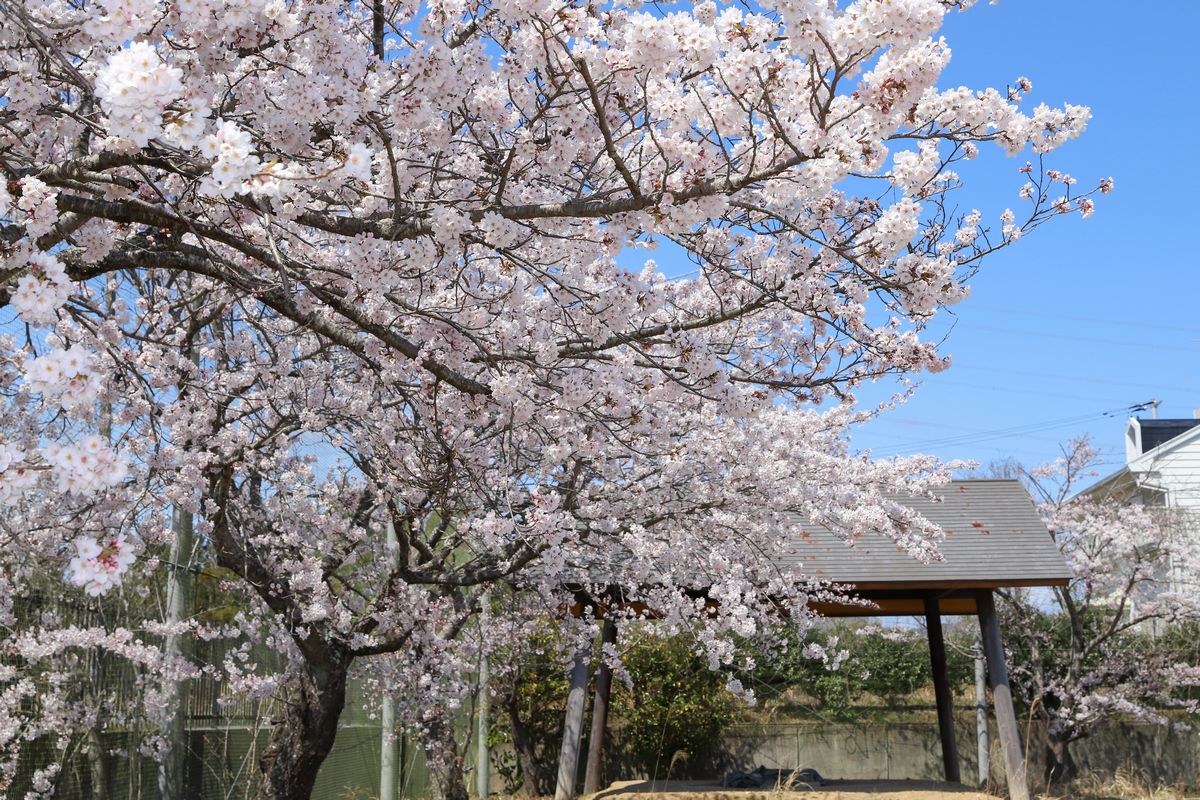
x=901, y=751
x=894, y=751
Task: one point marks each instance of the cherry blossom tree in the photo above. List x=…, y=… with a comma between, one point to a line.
x=308, y=272
x=1086, y=656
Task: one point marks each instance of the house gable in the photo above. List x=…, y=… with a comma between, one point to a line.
x=1172, y=467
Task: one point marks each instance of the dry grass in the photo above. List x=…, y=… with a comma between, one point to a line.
x=833, y=790
x=1125, y=785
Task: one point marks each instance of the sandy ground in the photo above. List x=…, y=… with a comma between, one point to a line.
x=832, y=790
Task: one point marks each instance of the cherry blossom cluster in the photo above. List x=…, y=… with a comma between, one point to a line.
x=134, y=88
x=1134, y=567
x=86, y=468
x=39, y=700
x=827, y=653
x=42, y=290
x=83, y=469
x=97, y=567
x=38, y=205
x=230, y=148
x=66, y=375
x=16, y=473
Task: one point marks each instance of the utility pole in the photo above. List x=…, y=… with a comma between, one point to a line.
x=483, y=765
x=179, y=590
x=171, y=777
x=387, y=714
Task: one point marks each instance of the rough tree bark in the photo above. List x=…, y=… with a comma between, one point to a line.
x=538, y=772
x=303, y=735
x=445, y=762
x=1061, y=768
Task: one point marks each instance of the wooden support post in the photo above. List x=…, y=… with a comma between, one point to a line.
x=982, y=748
x=941, y=688
x=568, y=756
x=594, y=774
x=1006, y=718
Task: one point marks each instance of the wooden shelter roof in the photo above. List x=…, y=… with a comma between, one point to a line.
x=994, y=538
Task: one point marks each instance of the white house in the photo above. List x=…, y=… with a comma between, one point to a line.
x=1162, y=468
x=1162, y=465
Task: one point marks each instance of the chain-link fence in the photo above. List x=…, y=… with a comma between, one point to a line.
x=220, y=762
x=225, y=733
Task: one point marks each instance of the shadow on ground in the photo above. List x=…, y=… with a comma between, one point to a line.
x=832, y=790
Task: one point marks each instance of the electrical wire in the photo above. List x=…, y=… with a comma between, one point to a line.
x=1018, y=430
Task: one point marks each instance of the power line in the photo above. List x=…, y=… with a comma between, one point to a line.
x=1028, y=437
x=935, y=381
x=1078, y=378
x=1017, y=430
x=904, y=449
x=1123, y=322
x=1041, y=333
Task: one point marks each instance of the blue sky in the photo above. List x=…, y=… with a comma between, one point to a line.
x=1089, y=316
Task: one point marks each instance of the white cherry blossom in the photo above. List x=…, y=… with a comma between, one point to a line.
x=134, y=88
x=42, y=290
x=67, y=376
x=97, y=567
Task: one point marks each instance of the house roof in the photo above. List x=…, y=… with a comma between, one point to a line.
x=1183, y=434
x=1122, y=480
x=1156, y=432
x=1157, y=438
x=994, y=537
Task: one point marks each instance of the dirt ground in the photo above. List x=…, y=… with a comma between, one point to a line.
x=832, y=790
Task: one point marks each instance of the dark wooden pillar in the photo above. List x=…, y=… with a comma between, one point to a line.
x=568, y=756
x=941, y=688
x=1006, y=718
x=595, y=758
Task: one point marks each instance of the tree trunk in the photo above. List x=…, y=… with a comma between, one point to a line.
x=1060, y=767
x=444, y=760
x=539, y=779
x=98, y=765
x=303, y=736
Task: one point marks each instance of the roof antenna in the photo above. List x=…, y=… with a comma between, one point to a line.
x=1153, y=403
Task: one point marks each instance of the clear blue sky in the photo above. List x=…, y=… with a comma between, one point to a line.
x=1085, y=316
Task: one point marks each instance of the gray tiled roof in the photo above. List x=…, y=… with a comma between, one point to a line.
x=994, y=537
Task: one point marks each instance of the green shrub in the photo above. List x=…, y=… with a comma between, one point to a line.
x=677, y=705
x=896, y=662
x=782, y=667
